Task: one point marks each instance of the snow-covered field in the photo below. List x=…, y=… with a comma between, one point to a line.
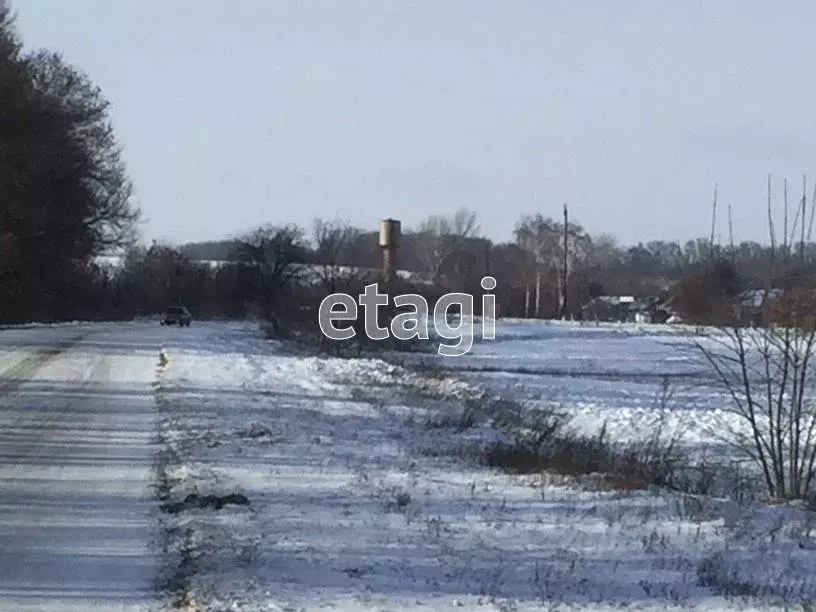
x=627, y=377
x=285, y=482
x=338, y=508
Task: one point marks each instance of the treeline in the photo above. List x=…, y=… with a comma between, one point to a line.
x=64, y=192
x=449, y=253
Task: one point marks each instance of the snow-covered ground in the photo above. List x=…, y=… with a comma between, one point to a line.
x=627, y=377
x=335, y=505
x=284, y=482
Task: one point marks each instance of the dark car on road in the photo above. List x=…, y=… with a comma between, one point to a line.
x=177, y=315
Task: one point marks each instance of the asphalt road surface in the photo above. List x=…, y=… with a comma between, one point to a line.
x=77, y=448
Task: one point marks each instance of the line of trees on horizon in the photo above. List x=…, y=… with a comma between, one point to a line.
x=449, y=252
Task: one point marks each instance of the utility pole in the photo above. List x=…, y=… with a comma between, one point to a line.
x=566, y=260
x=713, y=221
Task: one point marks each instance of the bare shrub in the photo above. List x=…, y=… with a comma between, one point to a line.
x=541, y=443
x=716, y=478
x=537, y=440
x=657, y=459
x=767, y=370
x=766, y=373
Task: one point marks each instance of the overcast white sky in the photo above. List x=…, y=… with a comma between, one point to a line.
x=239, y=113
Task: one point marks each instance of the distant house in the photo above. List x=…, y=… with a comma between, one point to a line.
x=752, y=303
x=626, y=309
x=610, y=308
x=660, y=309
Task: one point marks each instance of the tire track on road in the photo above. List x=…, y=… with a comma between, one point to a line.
x=20, y=373
x=35, y=430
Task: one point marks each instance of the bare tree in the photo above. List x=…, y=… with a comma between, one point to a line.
x=85, y=158
x=333, y=242
x=544, y=239
x=767, y=372
x=440, y=240
x=269, y=253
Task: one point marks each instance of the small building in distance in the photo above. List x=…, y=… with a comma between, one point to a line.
x=753, y=303
x=609, y=308
x=626, y=309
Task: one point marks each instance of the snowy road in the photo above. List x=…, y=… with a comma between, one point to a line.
x=77, y=430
